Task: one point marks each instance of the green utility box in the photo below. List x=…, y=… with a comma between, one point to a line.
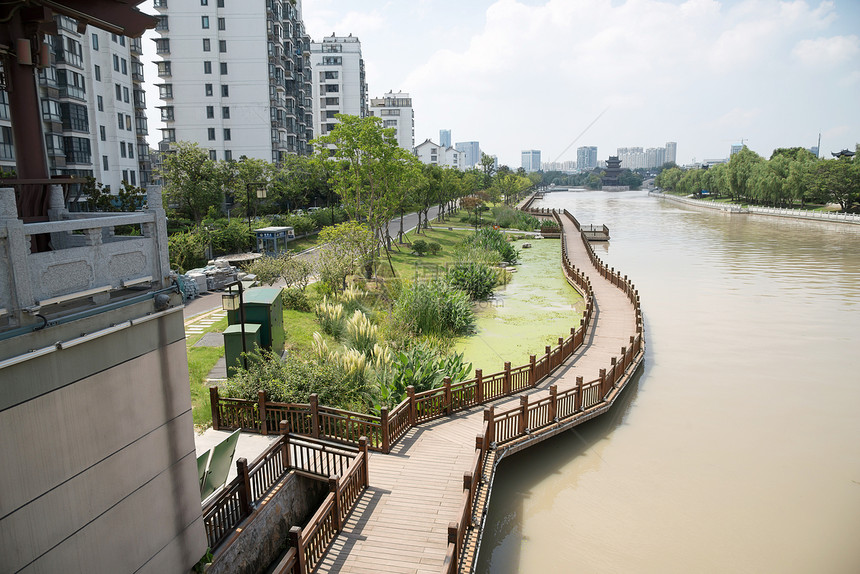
x=233, y=343
x=264, y=306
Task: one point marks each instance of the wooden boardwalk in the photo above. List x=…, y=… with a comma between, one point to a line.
x=400, y=523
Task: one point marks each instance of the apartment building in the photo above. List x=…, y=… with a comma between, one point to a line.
x=530, y=160
x=472, y=151
x=93, y=107
x=339, y=85
x=235, y=77
x=395, y=109
x=431, y=153
x=586, y=157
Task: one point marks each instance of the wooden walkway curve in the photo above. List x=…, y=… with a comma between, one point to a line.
x=401, y=522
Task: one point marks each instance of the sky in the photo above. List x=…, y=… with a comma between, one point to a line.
x=555, y=75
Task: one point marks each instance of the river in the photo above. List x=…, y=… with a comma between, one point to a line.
x=737, y=448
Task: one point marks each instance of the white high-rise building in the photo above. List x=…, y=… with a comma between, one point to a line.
x=338, y=81
x=93, y=108
x=395, y=109
x=235, y=77
x=586, y=157
x=671, y=152
x=531, y=160
x=472, y=150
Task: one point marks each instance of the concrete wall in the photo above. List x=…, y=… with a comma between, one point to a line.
x=265, y=533
x=99, y=468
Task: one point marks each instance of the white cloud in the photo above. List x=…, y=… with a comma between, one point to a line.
x=827, y=51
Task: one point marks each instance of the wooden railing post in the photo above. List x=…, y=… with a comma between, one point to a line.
x=532, y=378
x=603, y=389
x=447, y=400
x=244, y=492
x=614, y=377
x=261, y=408
x=410, y=392
x=479, y=446
x=506, y=382
x=333, y=488
x=553, y=402
x=453, y=538
x=315, y=415
x=383, y=423
x=549, y=365
x=561, y=356
x=467, y=486
x=296, y=542
x=213, y=402
x=284, y=428
x=577, y=401
x=524, y=415
x=479, y=385
x=491, y=427
x=362, y=447
x=623, y=359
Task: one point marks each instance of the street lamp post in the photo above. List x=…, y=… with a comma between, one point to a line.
x=261, y=194
x=231, y=302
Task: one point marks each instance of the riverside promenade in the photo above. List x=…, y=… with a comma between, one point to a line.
x=403, y=521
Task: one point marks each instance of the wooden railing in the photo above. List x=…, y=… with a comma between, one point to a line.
x=236, y=501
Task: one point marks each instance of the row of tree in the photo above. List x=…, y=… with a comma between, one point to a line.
x=358, y=166
x=791, y=177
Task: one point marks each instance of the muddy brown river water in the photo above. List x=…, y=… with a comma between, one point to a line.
x=737, y=448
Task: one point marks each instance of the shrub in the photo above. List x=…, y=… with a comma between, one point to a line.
x=434, y=248
x=266, y=268
x=361, y=334
x=434, y=307
x=475, y=279
x=293, y=380
x=233, y=237
x=331, y=317
x=186, y=251
x=420, y=247
x=494, y=239
x=295, y=299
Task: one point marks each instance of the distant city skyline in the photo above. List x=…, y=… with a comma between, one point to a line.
x=705, y=74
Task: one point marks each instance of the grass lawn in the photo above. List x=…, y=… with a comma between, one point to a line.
x=200, y=362
x=298, y=245
x=407, y=265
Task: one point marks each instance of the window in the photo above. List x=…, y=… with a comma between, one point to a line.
x=162, y=46
x=228, y=155
x=50, y=109
x=123, y=66
x=332, y=101
x=222, y=24
x=225, y=91
x=168, y=134
x=332, y=60
x=121, y=149
x=100, y=103
x=226, y=134
x=130, y=147
x=97, y=73
x=204, y=2
x=330, y=75
x=223, y=68
x=208, y=88
x=211, y=133
x=77, y=150
x=204, y=22
x=95, y=42
x=167, y=114
x=210, y=112
x=161, y=23
x=115, y=63
x=105, y=162
x=222, y=46
x=213, y=155
x=118, y=90
x=332, y=48
x=122, y=39
x=125, y=94
x=220, y=3
x=332, y=88
x=119, y=121
x=389, y=124
x=102, y=133
x=206, y=44
x=127, y=122
x=125, y=175
x=133, y=178
x=165, y=91
x=207, y=67
x=163, y=69
x=225, y=112
x=74, y=117
x=71, y=84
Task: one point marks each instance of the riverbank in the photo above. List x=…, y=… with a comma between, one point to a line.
x=771, y=211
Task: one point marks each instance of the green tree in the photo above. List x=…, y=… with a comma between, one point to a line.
x=740, y=168
x=837, y=181
x=348, y=245
x=192, y=183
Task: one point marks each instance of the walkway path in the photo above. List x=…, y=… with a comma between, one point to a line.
x=400, y=523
